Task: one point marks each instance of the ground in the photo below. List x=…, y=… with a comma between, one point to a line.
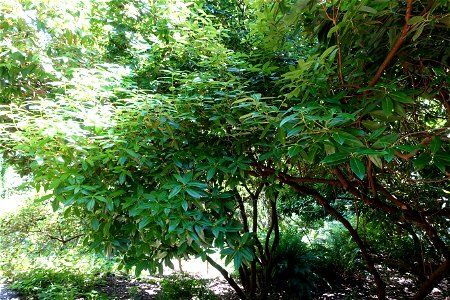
x=396, y=288
x=119, y=287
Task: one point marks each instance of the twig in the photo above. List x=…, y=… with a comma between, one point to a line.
x=336, y=33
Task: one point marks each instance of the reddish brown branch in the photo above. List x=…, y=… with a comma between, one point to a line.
x=265, y=172
x=408, y=156
x=358, y=194
x=442, y=272
x=396, y=46
x=354, y=234
x=370, y=177
x=227, y=277
x=400, y=204
x=445, y=212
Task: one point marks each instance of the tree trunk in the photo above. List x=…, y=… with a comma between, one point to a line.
x=442, y=272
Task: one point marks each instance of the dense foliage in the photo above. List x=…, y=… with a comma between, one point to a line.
x=182, y=128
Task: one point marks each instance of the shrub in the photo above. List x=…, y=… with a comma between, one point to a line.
x=338, y=255
x=68, y=275
x=293, y=274
x=184, y=287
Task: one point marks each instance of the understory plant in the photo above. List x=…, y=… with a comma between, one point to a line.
x=294, y=275
x=184, y=287
x=65, y=275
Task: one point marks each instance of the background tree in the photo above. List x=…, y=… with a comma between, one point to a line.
x=197, y=117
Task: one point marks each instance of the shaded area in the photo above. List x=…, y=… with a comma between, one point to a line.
x=7, y=294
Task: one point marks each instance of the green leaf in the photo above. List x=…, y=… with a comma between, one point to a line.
x=369, y=151
x=342, y=137
x=122, y=178
x=441, y=164
x=329, y=148
x=372, y=125
x=43, y=198
x=132, y=153
x=294, y=131
x=227, y=251
x=90, y=205
x=376, y=161
x=327, y=52
x=333, y=30
x=266, y=156
x=401, y=97
x=281, y=135
x=237, y=261
x=289, y=119
x=198, y=184
x=173, y=224
x=385, y=141
x=335, y=158
x=421, y=161
x=294, y=150
x=387, y=106
x=263, y=134
x=144, y=222
x=367, y=9
x=358, y=167
x=435, y=144
x=175, y=191
x=418, y=31
x=184, y=205
x=140, y=266
x=389, y=155
x=376, y=133
x=445, y=156
x=311, y=155
x=211, y=173
x=194, y=193
x=55, y=204
x=416, y=19
x=95, y=224
x=109, y=204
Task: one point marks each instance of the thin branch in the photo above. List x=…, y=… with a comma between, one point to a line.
x=63, y=240
x=388, y=195
x=445, y=212
x=428, y=180
x=336, y=33
x=248, y=189
x=227, y=277
x=408, y=156
x=266, y=172
x=370, y=177
x=358, y=194
x=397, y=45
x=242, y=210
x=354, y=234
